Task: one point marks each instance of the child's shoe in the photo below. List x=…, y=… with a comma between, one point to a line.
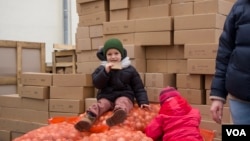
x=85, y=123
x=118, y=117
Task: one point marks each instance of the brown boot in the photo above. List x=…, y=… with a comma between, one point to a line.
x=85, y=123
x=118, y=117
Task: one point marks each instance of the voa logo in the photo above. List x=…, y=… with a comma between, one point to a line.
x=236, y=132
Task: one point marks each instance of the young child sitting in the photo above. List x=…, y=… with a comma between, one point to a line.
x=118, y=84
x=176, y=121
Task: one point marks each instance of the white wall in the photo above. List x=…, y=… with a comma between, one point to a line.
x=35, y=21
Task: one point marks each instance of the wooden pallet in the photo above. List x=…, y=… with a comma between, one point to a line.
x=64, y=59
x=18, y=57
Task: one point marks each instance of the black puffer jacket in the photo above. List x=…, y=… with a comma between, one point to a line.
x=233, y=58
x=116, y=83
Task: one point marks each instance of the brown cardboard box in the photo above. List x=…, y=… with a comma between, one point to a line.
x=125, y=38
x=159, y=80
x=149, y=12
x=82, y=32
x=96, y=30
x=87, y=67
x=93, y=19
x=10, y=100
x=83, y=44
x=138, y=3
x=119, y=14
x=153, y=94
x=149, y=24
x=19, y=125
x=96, y=42
x=62, y=114
x=66, y=105
x=5, y=135
x=37, y=92
x=118, y=4
x=36, y=79
x=35, y=104
x=92, y=7
x=116, y=27
x=212, y=6
x=183, y=8
x=24, y=114
x=199, y=21
x=201, y=51
x=201, y=66
x=159, y=2
x=135, y=51
x=165, y=52
x=167, y=66
x=71, y=92
x=75, y=80
x=139, y=64
x=197, y=36
x=153, y=38
x=87, y=56
x=189, y=81
x=193, y=96
x=208, y=81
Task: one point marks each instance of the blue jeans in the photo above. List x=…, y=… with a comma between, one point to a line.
x=240, y=111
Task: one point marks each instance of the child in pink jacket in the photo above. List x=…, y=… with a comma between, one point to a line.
x=176, y=121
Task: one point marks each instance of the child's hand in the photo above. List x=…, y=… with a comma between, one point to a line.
x=146, y=107
x=108, y=67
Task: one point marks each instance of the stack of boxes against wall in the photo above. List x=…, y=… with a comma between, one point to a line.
x=169, y=42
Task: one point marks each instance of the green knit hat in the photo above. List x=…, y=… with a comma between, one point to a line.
x=113, y=43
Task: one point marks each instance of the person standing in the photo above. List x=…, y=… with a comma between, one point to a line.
x=232, y=76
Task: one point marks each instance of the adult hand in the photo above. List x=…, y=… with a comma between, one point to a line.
x=216, y=110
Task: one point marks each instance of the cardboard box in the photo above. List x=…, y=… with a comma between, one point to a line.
x=87, y=56
x=167, y=66
x=148, y=24
x=19, y=125
x=135, y=51
x=71, y=92
x=153, y=94
x=199, y=21
x=139, y=64
x=212, y=6
x=201, y=66
x=138, y=3
x=36, y=79
x=165, y=52
x=96, y=42
x=159, y=80
x=83, y=44
x=96, y=30
x=10, y=100
x=183, y=8
x=82, y=32
x=125, y=38
x=201, y=51
x=118, y=4
x=37, y=92
x=92, y=7
x=66, y=105
x=149, y=12
x=190, y=81
x=159, y=2
x=93, y=19
x=119, y=14
x=5, y=135
x=197, y=36
x=193, y=96
x=116, y=27
x=87, y=67
x=153, y=38
x=75, y=80
x=24, y=114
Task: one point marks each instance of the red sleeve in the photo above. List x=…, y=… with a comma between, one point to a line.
x=154, y=128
